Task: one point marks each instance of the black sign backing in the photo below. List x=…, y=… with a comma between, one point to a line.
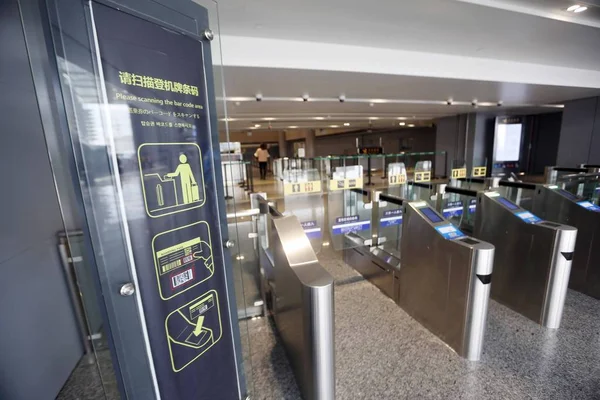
x=161, y=135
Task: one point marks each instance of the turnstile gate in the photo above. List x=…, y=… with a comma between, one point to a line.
x=533, y=261
x=441, y=278
x=299, y=292
x=558, y=205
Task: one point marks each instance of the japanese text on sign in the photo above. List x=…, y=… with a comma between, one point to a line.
x=148, y=82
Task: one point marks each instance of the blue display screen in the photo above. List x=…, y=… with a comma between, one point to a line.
x=509, y=204
x=431, y=215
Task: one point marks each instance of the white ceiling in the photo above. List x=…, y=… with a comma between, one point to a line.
x=521, y=52
x=436, y=26
x=554, y=9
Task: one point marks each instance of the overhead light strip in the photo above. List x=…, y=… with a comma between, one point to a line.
x=449, y=103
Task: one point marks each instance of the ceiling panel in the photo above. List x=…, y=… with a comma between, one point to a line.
x=272, y=82
x=435, y=26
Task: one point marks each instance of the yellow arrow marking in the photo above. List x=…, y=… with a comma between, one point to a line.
x=199, y=324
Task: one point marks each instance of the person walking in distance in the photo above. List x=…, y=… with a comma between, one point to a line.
x=262, y=156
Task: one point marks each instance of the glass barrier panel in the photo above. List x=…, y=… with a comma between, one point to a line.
x=397, y=179
x=587, y=187
x=310, y=210
x=459, y=210
x=519, y=196
x=349, y=216
x=388, y=218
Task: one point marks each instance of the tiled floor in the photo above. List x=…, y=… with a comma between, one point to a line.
x=92, y=381
x=382, y=353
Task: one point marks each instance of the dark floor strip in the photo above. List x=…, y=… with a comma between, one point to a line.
x=350, y=280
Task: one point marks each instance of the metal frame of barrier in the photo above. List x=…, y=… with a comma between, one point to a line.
x=424, y=278
x=533, y=263
x=301, y=299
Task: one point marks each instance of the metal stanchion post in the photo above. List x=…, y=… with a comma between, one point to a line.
x=251, y=180
x=227, y=196
x=241, y=171
x=369, y=183
x=247, y=166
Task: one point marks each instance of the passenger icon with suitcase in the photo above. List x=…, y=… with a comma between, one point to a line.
x=189, y=187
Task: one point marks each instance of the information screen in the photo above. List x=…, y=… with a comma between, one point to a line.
x=507, y=145
x=507, y=203
x=431, y=215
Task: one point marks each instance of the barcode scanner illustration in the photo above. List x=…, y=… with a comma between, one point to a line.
x=205, y=254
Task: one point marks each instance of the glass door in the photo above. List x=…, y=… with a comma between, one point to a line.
x=152, y=257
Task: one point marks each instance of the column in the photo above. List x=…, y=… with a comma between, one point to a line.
x=309, y=143
x=282, y=145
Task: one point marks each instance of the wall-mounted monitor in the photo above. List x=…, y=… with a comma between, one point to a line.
x=507, y=140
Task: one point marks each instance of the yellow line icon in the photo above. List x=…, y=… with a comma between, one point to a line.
x=172, y=177
x=193, y=329
x=182, y=258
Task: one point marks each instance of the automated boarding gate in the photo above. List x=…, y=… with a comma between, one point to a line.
x=533, y=261
x=561, y=206
x=441, y=277
x=299, y=293
x=444, y=279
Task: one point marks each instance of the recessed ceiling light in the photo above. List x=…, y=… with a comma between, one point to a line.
x=402, y=118
x=411, y=125
x=293, y=126
x=346, y=124
x=580, y=9
x=334, y=126
x=237, y=103
x=268, y=119
x=574, y=7
x=319, y=118
x=373, y=117
x=402, y=123
x=257, y=125
x=371, y=104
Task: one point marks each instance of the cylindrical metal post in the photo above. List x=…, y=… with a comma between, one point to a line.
x=251, y=180
x=71, y=280
x=226, y=181
x=369, y=183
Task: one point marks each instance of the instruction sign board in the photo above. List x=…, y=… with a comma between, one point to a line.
x=345, y=184
x=458, y=173
x=394, y=180
x=159, y=132
x=423, y=176
x=301, y=188
x=479, y=172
